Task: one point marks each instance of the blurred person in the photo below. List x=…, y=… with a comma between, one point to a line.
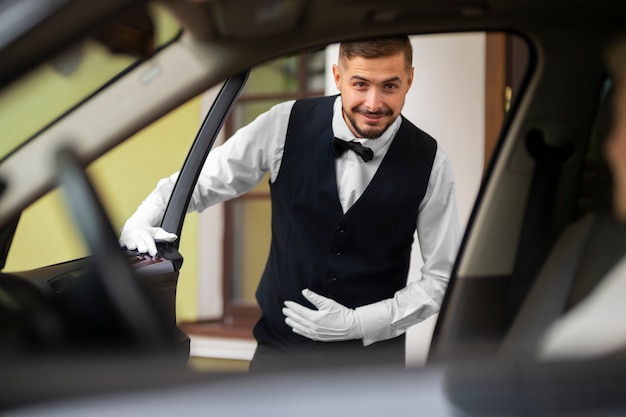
x=351, y=180
x=594, y=327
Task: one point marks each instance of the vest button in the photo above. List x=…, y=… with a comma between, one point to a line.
x=337, y=251
x=340, y=229
x=333, y=276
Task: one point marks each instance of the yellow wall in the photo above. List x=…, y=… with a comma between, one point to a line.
x=123, y=177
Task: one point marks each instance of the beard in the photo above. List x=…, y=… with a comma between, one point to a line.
x=369, y=132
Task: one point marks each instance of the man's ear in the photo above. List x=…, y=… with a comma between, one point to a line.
x=337, y=77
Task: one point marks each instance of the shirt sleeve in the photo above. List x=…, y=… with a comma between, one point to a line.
x=439, y=234
x=236, y=166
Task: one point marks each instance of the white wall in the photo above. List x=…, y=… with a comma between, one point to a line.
x=447, y=101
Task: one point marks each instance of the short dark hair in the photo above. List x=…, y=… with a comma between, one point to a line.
x=377, y=48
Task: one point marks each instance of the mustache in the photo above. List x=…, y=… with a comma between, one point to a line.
x=381, y=112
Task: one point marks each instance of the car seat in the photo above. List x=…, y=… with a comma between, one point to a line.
x=581, y=257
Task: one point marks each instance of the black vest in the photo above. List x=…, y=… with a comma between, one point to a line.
x=355, y=258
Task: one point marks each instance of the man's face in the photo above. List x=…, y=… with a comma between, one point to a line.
x=615, y=150
x=372, y=92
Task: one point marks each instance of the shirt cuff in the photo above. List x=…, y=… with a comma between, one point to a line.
x=375, y=322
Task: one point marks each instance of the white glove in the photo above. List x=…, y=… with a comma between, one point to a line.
x=143, y=237
x=139, y=233
x=331, y=321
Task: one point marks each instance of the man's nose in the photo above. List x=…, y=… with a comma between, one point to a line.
x=373, y=100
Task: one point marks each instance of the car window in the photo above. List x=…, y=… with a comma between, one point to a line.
x=58, y=85
x=472, y=79
x=228, y=262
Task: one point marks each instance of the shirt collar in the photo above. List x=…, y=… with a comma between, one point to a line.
x=342, y=131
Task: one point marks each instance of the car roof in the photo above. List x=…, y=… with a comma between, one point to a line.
x=262, y=25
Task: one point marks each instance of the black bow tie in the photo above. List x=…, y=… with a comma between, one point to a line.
x=340, y=146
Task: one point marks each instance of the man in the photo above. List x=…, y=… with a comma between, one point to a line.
x=334, y=290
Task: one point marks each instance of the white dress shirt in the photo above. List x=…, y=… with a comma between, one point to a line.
x=241, y=162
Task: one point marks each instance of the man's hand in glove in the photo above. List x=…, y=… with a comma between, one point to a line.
x=331, y=321
x=142, y=236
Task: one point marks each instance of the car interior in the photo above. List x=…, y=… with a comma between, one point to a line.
x=539, y=238
x=553, y=273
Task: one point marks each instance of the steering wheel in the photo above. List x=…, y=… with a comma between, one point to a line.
x=138, y=310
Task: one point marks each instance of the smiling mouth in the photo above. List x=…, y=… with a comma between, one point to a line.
x=367, y=124
x=374, y=116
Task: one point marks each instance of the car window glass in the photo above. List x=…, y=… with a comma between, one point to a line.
x=449, y=93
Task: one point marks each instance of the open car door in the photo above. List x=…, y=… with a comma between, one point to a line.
x=57, y=290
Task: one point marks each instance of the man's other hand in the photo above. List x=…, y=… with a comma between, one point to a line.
x=331, y=321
